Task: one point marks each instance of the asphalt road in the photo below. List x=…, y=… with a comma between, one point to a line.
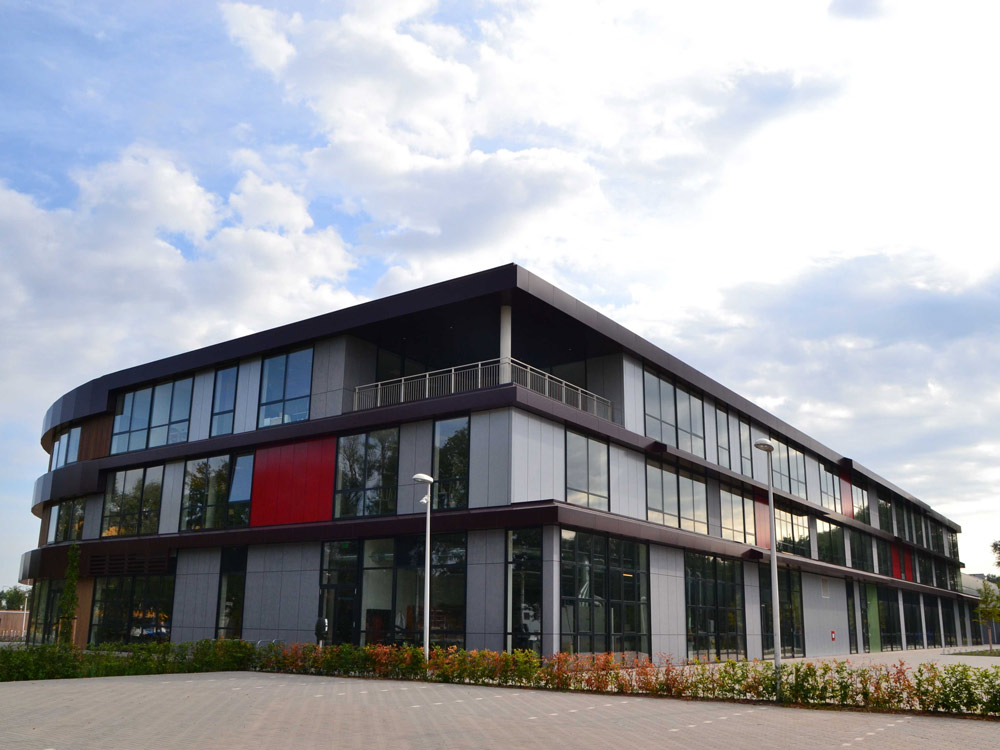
x=293, y=712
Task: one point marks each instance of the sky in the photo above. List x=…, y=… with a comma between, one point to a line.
x=797, y=197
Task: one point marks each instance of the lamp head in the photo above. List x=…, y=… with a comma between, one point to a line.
x=764, y=445
x=423, y=478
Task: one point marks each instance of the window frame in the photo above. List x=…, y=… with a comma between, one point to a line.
x=230, y=411
x=129, y=431
x=593, y=449
x=284, y=417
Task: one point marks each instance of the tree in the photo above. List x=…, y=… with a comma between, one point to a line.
x=988, y=609
x=13, y=598
x=68, y=599
x=996, y=551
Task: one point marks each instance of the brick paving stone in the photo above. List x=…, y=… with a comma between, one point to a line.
x=297, y=712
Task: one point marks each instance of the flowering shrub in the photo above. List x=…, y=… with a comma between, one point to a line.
x=932, y=688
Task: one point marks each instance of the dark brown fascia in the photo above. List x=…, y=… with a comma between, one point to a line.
x=50, y=561
x=84, y=478
x=94, y=397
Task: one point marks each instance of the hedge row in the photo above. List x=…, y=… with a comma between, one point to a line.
x=952, y=688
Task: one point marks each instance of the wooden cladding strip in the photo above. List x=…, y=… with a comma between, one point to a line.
x=95, y=437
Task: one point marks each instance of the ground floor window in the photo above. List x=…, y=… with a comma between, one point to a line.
x=852, y=619
x=132, y=609
x=715, y=613
x=932, y=622
x=43, y=623
x=948, y=618
x=793, y=641
x=232, y=588
x=961, y=623
x=911, y=620
x=524, y=589
x=890, y=631
x=372, y=590
x=604, y=589
x=866, y=641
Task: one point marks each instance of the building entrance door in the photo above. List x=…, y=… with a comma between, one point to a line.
x=341, y=611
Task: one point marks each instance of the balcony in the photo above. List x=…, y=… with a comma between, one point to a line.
x=477, y=376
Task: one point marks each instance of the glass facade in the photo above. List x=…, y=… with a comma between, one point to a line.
x=132, y=609
x=793, y=642
x=66, y=521
x=132, y=502
x=829, y=489
x=524, y=590
x=367, y=474
x=932, y=622
x=830, y=542
x=232, y=591
x=604, y=589
x=224, y=401
x=387, y=606
x=151, y=417
x=43, y=624
x=861, y=551
x=715, y=614
x=852, y=619
x=912, y=620
x=217, y=493
x=859, y=497
x=890, y=630
x=738, y=521
x=793, y=533
x=285, y=383
x=674, y=416
x=65, y=448
x=587, y=481
x=451, y=463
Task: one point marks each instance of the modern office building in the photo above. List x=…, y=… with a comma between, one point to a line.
x=592, y=493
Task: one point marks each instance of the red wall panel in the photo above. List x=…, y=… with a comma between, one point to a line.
x=908, y=564
x=294, y=483
x=897, y=554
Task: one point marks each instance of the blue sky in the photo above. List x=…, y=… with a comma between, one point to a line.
x=795, y=197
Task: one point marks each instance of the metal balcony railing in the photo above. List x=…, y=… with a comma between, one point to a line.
x=474, y=377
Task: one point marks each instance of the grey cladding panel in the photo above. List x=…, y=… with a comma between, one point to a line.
x=170, y=497
x=201, y=405
x=634, y=415
x=92, y=517
x=247, y=392
x=628, y=482
x=823, y=614
x=196, y=593
x=668, y=627
x=282, y=592
x=537, y=466
x=415, y=456
x=489, y=459
x=605, y=377
x=714, y=499
x=751, y=598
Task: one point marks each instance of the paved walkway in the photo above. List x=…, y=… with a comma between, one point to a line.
x=913, y=657
x=294, y=712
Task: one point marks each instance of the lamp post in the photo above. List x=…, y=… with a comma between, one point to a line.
x=768, y=447
x=426, y=500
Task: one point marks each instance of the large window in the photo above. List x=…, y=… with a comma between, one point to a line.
x=285, y=382
x=911, y=620
x=524, y=590
x=605, y=594
x=66, y=521
x=224, y=401
x=132, y=502
x=392, y=590
x=829, y=490
x=217, y=493
x=451, y=463
x=884, y=514
x=43, y=623
x=917, y=520
x=746, y=449
x=586, y=472
x=932, y=623
x=830, y=543
x=132, y=609
x=884, y=557
x=367, y=474
x=888, y=619
x=788, y=469
x=793, y=641
x=232, y=590
x=924, y=568
x=792, y=532
x=861, y=551
x=852, y=619
x=674, y=416
x=715, y=614
x=937, y=537
x=948, y=619
x=152, y=417
x=859, y=496
x=722, y=438
x=738, y=521
x=676, y=498
x=65, y=448
x=902, y=530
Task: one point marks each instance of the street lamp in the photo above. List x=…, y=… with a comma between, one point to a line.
x=426, y=500
x=768, y=447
